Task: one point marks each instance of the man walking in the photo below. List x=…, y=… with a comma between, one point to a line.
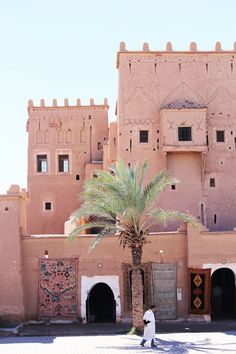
x=149, y=326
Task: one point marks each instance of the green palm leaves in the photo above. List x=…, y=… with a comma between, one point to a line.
x=121, y=201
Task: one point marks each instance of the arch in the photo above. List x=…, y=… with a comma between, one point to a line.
x=87, y=283
x=46, y=137
x=68, y=136
x=39, y=137
x=60, y=136
x=82, y=136
x=100, y=304
x=223, y=293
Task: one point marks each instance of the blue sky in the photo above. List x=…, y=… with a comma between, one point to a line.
x=67, y=49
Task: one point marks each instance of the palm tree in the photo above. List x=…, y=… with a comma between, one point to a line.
x=121, y=203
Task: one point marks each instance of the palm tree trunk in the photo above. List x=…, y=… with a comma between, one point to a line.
x=137, y=289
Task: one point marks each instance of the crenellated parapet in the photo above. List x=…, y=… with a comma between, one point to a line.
x=193, y=48
x=66, y=105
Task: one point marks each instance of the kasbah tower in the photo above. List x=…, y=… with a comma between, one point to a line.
x=175, y=109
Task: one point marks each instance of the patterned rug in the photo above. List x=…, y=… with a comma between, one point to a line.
x=57, y=288
x=199, y=281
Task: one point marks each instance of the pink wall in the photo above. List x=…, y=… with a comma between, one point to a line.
x=12, y=207
x=34, y=248
x=159, y=91
x=76, y=131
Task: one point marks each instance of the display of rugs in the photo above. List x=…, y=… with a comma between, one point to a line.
x=57, y=288
x=199, y=285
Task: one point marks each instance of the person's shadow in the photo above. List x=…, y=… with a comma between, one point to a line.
x=170, y=347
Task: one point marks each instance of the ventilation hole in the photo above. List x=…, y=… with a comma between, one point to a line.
x=130, y=68
x=6, y=208
x=126, y=149
x=180, y=67
x=130, y=131
x=130, y=145
x=90, y=117
x=207, y=67
x=212, y=182
x=77, y=177
x=129, y=164
x=232, y=67
x=231, y=132
x=157, y=131
x=214, y=218
x=154, y=149
x=173, y=187
x=229, y=147
x=202, y=214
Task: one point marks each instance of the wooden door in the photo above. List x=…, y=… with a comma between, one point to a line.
x=164, y=290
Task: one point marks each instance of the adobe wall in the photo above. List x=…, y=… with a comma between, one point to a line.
x=212, y=248
x=151, y=82
x=105, y=260
x=12, y=224
x=77, y=131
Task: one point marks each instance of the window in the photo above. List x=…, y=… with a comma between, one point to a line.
x=220, y=136
x=42, y=163
x=143, y=136
x=63, y=163
x=47, y=206
x=212, y=182
x=173, y=187
x=185, y=133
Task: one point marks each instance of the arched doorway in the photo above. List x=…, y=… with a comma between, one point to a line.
x=223, y=294
x=100, y=304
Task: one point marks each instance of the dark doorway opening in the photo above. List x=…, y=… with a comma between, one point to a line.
x=101, y=305
x=223, y=294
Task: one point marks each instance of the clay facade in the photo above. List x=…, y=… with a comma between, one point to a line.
x=62, y=141
x=174, y=109
x=171, y=93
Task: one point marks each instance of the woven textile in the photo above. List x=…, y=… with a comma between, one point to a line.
x=57, y=288
x=199, y=281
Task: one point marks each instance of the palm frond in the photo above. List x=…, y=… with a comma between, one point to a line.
x=101, y=235
x=162, y=216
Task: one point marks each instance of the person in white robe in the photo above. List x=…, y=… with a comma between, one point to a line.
x=149, y=326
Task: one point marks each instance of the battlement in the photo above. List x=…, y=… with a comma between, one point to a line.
x=169, y=50
x=54, y=105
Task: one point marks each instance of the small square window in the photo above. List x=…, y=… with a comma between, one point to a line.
x=143, y=136
x=173, y=187
x=48, y=206
x=77, y=177
x=42, y=163
x=212, y=182
x=184, y=133
x=220, y=136
x=63, y=163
